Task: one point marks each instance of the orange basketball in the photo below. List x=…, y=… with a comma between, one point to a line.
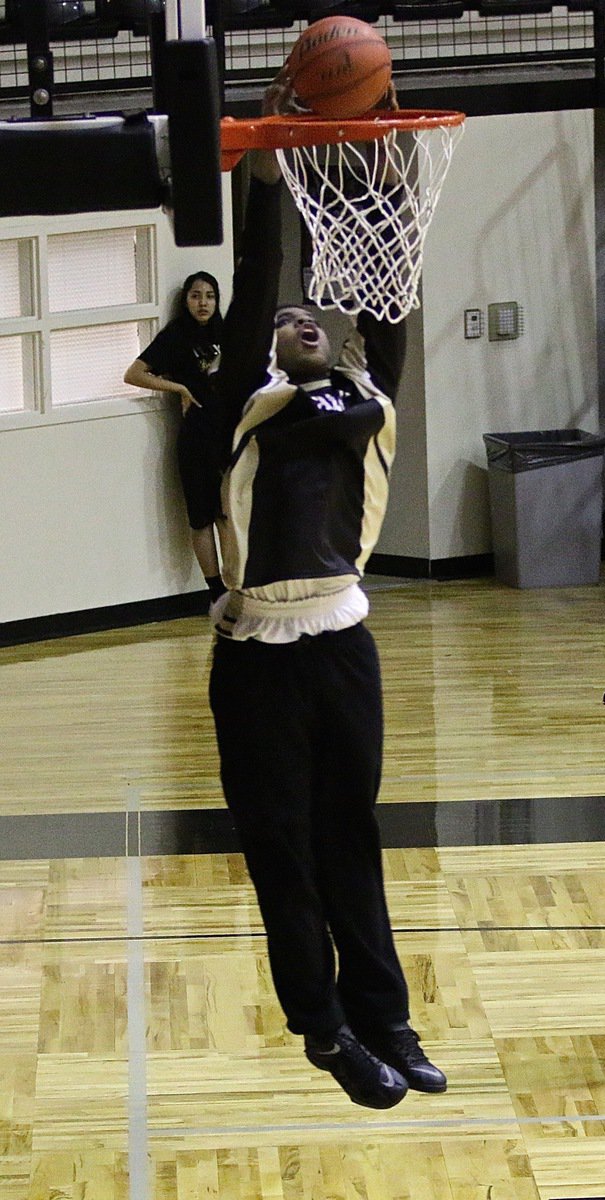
x=340, y=67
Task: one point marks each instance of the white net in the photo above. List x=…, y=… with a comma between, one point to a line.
x=367, y=207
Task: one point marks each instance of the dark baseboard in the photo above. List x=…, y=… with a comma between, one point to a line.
x=95, y=620
x=468, y=566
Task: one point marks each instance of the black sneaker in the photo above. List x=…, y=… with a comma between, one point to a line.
x=364, y=1078
x=401, y=1049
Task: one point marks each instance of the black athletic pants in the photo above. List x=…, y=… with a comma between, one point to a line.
x=299, y=729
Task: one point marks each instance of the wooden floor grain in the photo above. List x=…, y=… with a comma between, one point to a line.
x=489, y=692
x=143, y=1055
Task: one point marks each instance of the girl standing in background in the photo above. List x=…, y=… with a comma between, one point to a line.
x=182, y=359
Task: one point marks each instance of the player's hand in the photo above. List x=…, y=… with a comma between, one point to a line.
x=279, y=98
x=389, y=100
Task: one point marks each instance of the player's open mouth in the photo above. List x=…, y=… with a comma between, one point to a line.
x=310, y=336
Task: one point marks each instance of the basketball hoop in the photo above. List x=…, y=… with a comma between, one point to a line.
x=367, y=190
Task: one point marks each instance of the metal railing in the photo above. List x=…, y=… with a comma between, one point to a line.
x=421, y=35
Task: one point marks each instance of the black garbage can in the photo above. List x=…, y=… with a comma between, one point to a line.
x=546, y=504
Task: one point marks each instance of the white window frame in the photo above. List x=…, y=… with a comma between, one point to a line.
x=38, y=230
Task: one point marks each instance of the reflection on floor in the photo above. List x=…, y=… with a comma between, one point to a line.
x=142, y=1052
x=504, y=950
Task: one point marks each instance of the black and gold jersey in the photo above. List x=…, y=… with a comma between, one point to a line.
x=306, y=487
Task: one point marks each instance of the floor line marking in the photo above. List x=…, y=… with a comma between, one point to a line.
x=387, y=1126
x=138, y=1124
x=259, y=933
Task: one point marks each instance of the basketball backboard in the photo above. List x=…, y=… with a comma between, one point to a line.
x=98, y=163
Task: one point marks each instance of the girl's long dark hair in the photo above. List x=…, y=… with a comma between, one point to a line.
x=192, y=328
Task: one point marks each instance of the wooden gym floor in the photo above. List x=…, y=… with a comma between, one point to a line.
x=142, y=1053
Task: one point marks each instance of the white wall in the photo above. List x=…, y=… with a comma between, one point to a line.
x=515, y=222
x=92, y=517
x=178, y=262
x=91, y=511
x=406, y=531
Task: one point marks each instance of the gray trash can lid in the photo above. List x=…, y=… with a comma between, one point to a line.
x=527, y=450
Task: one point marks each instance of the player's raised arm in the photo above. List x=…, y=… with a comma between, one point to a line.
x=249, y=324
x=384, y=346
x=278, y=98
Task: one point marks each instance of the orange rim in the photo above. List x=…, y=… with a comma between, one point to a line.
x=279, y=132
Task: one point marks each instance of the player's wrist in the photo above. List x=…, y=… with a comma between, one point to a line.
x=265, y=167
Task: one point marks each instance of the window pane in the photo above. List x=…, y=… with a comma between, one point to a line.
x=16, y=290
x=98, y=269
x=17, y=373
x=88, y=364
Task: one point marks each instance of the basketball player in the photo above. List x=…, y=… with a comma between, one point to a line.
x=295, y=683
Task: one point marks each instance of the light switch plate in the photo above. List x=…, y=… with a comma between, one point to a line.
x=473, y=322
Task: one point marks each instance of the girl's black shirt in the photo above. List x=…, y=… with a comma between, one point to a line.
x=193, y=362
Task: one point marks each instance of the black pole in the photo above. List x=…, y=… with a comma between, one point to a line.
x=39, y=58
x=157, y=42
x=599, y=52
x=218, y=34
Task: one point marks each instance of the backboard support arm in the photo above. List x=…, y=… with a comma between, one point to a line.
x=39, y=59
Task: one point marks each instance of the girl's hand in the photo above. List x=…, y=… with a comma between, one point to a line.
x=187, y=400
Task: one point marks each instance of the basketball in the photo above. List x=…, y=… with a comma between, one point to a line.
x=340, y=67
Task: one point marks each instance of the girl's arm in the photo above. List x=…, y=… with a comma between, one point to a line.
x=139, y=375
